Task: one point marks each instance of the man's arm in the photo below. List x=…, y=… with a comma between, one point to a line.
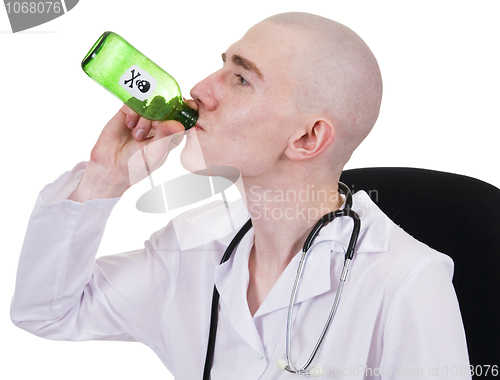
x=63, y=293
x=424, y=335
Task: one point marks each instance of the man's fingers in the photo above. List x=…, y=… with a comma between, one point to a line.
x=168, y=135
x=132, y=118
x=151, y=156
x=167, y=128
x=191, y=103
x=142, y=129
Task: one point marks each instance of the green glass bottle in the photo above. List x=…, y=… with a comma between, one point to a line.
x=137, y=81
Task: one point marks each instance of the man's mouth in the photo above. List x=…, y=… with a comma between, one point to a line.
x=198, y=127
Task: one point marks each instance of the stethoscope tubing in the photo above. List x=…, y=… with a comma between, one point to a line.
x=346, y=211
x=215, y=301
x=304, y=371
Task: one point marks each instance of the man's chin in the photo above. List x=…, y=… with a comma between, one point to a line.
x=191, y=155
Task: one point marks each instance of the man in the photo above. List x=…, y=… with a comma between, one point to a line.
x=294, y=98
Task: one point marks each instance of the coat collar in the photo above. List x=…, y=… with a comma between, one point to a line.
x=232, y=277
x=216, y=222
x=332, y=241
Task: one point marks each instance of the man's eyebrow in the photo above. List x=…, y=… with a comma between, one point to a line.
x=245, y=63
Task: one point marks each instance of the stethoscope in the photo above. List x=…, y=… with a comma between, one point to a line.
x=282, y=363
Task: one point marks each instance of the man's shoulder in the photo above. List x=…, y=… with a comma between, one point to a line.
x=409, y=251
x=403, y=253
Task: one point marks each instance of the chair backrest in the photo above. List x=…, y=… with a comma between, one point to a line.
x=458, y=216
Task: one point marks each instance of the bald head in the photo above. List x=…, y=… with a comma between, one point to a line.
x=337, y=76
x=294, y=97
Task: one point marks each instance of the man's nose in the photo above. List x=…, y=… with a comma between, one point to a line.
x=206, y=94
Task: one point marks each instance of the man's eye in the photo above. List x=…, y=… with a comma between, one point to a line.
x=242, y=80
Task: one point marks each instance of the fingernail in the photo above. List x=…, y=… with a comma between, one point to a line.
x=155, y=123
x=131, y=124
x=139, y=134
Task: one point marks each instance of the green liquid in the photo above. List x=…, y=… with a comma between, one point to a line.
x=158, y=108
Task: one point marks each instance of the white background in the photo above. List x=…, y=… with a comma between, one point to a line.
x=439, y=61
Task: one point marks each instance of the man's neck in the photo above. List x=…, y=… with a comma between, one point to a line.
x=282, y=219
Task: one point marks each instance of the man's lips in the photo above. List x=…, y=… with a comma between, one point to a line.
x=198, y=127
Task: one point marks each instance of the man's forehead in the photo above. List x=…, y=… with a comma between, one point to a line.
x=266, y=44
x=269, y=35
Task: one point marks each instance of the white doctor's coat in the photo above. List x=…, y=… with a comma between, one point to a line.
x=398, y=318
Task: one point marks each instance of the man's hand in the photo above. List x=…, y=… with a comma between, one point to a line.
x=127, y=151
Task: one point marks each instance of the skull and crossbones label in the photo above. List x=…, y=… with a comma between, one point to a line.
x=138, y=82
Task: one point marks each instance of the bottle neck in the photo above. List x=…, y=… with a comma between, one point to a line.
x=185, y=115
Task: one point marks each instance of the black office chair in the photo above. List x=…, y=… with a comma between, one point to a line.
x=456, y=215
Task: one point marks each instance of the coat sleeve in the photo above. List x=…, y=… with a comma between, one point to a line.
x=62, y=292
x=424, y=336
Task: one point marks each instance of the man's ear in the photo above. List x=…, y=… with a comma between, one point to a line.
x=310, y=141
